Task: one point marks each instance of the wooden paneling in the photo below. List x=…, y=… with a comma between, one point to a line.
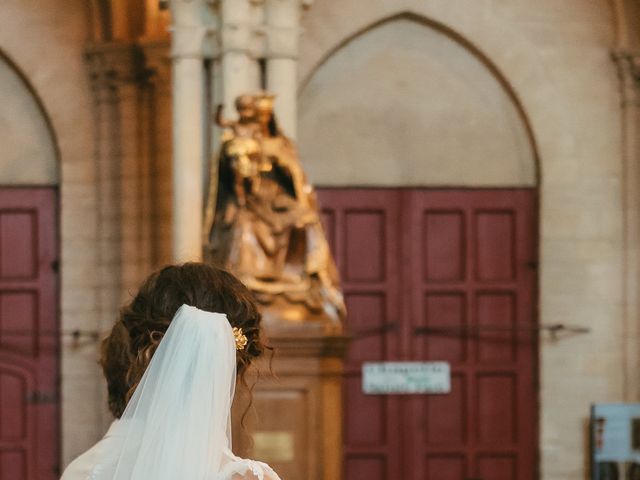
x=13, y=415
x=18, y=251
x=365, y=236
x=364, y=233
x=479, y=312
x=440, y=276
x=444, y=417
x=495, y=239
x=29, y=403
x=443, y=246
x=445, y=467
x=366, y=467
x=443, y=310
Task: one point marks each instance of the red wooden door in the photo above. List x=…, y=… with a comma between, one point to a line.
x=364, y=232
x=28, y=335
x=452, y=275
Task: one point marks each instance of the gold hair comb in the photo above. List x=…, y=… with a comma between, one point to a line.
x=241, y=338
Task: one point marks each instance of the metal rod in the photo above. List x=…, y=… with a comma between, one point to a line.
x=533, y=327
x=370, y=332
x=75, y=334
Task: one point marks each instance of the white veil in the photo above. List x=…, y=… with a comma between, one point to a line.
x=177, y=424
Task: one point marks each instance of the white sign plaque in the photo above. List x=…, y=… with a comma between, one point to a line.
x=406, y=377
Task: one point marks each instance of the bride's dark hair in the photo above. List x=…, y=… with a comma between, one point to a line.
x=128, y=349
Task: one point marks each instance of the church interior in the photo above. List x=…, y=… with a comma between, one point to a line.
x=435, y=202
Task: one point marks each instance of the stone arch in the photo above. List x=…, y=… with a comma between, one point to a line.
x=527, y=175
x=30, y=149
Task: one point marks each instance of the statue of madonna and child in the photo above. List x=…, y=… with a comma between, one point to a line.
x=262, y=220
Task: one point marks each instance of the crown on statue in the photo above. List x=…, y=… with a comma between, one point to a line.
x=264, y=100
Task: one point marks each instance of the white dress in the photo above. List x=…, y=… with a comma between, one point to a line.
x=88, y=465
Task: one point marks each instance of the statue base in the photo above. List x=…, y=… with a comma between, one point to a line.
x=293, y=418
x=281, y=318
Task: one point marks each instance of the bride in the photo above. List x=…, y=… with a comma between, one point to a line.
x=170, y=362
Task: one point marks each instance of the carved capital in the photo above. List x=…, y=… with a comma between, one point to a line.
x=282, y=42
x=629, y=64
x=157, y=62
x=114, y=64
x=282, y=27
x=193, y=41
x=240, y=37
x=193, y=28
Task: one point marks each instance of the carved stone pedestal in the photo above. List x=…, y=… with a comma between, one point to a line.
x=295, y=420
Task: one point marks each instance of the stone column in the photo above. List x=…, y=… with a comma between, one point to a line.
x=116, y=77
x=239, y=69
x=158, y=163
x=190, y=38
x=282, y=23
x=629, y=73
x=120, y=80
x=133, y=181
x=234, y=68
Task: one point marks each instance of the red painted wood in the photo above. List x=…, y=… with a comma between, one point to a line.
x=366, y=225
x=460, y=262
x=489, y=236
x=29, y=430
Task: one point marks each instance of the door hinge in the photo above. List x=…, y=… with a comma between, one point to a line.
x=38, y=398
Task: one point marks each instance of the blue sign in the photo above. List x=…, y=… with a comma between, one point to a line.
x=615, y=441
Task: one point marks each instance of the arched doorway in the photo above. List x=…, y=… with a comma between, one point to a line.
x=29, y=356
x=441, y=263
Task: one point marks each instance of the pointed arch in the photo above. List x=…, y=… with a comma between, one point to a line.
x=37, y=101
x=455, y=37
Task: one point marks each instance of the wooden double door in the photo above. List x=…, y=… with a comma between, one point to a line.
x=29, y=400
x=440, y=275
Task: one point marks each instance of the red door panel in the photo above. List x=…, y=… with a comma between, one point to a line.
x=28, y=335
x=440, y=275
x=472, y=303
x=366, y=225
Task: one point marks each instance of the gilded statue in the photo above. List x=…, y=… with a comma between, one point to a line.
x=262, y=220
x=244, y=152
